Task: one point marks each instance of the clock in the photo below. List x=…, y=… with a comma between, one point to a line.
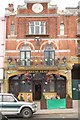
x=37, y=8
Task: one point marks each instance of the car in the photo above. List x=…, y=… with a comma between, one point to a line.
x=3, y=117
x=10, y=105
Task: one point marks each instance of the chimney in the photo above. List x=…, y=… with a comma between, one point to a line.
x=10, y=7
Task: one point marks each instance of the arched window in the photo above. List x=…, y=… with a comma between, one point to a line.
x=25, y=55
x=49, y=55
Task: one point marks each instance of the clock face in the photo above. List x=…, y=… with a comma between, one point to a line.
x=37, y=7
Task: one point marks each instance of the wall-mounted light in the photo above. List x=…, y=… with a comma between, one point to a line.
x=46, y=59
x=64, y=59
x=37, y=40
x=58, y=59
x=46, y=83
x=51, y=59
x=30, y=90
x=9, y=60
x=23, y=82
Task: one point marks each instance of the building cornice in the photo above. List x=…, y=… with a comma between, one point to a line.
x=28, y=39
x=37, y=15
x=38, y=1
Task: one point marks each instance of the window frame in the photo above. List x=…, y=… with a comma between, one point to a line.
x=62, y=29
x=12, y=29
x=78, y=27
x=50, y=56
x=78, y=48
x=39, y=27
x=24, y=60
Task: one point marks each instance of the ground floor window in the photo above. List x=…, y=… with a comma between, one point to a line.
x=37, y=84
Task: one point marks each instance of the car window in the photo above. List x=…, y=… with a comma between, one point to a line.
x=0, y=115
x=8, y=98
x=0, y=98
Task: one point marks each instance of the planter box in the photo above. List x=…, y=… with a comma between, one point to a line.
x=69, y=103
x=56, y=103
x=43, y=104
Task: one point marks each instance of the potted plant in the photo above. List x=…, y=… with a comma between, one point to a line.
x=43, y=102
x=68, y=101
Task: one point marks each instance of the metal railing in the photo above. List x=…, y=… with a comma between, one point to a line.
x=35, y=62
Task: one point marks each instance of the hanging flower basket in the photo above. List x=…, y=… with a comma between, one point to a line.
x=48, y=78
x=29, y=83
x=28, y=77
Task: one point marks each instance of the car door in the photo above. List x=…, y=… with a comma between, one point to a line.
x=9, y=105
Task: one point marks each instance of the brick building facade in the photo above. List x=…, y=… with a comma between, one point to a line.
x=2, y=51
x=42, y=48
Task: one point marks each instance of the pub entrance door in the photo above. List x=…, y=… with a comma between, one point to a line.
x=37, y=90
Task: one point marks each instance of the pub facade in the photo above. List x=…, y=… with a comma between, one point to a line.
x=41, y=49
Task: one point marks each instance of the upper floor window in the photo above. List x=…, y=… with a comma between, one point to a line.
x=12, y=29
x=78, y=27
x=49, y=55
x=25, y=55
x=78, y=48
x=37, y=27
x=62, y=29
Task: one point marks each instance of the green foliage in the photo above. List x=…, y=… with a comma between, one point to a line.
x=68, y=96
x=21, y=98
x=43, y=97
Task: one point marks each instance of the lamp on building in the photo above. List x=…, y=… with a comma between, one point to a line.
x=58, y=60
x=64, y=59
x=9, y=60
x=37, y=40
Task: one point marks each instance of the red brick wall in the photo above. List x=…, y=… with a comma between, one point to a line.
x=52, y=28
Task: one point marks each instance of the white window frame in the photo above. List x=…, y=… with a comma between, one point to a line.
x=79, y=48
x=78, y=27
x=62, y=29
x=25, y=55
x=12, y=29
x=39, y=27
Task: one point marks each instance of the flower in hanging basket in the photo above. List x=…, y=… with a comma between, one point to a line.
x=23, y=77
x=48, y=78
x=29, y=82
x=26, y=74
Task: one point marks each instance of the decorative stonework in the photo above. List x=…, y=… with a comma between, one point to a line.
x=38, y=1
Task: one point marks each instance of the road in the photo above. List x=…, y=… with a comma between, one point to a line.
x=36, y=116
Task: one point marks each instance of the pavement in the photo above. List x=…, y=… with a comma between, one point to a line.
x=73, y=110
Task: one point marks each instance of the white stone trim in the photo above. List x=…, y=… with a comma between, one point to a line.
x=13, y=51
x=38, y=1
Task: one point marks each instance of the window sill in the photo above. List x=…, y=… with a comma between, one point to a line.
x=37, y=35
x=61, y=35
x=78, y=35
x=12, y=36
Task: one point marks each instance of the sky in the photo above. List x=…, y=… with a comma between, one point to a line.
x=61, y=4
